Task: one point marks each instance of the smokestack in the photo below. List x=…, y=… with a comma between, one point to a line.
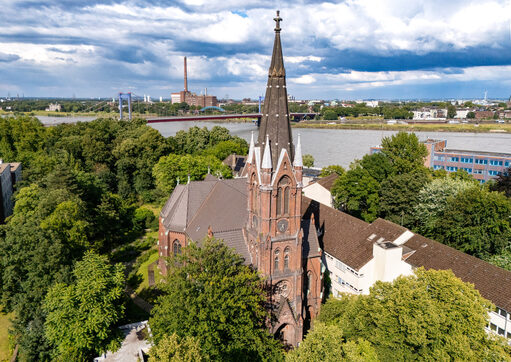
x=186, y=78
x=205, y=91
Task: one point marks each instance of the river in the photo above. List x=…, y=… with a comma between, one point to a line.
x=341, y=147
x=331, y=146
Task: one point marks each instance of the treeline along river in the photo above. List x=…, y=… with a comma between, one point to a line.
x=332, y=146
x=341, y=147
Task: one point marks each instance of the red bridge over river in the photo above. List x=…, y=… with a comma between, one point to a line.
x=296, y=116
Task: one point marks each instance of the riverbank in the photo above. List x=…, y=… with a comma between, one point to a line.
x=445, y=127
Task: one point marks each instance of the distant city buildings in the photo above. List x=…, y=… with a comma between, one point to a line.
x=53, y=107
x=10, y=174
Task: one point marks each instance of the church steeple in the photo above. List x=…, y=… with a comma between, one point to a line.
x=275, y=118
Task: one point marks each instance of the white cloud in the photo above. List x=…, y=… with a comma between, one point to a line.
x=304, y=79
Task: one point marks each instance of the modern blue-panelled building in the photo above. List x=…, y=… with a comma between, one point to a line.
x=483, y=166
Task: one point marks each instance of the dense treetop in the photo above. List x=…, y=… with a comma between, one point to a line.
x=81, y=191
x=431, y=315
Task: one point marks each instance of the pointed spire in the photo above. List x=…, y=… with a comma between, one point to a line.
x=251, y=149
x=298, y=162
x=275, y=112
x=267, y=154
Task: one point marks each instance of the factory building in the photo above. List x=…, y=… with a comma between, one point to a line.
x=193, y=99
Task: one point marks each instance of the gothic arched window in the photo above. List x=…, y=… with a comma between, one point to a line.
x=309, y=282
x=176, y=247
x=283, y=196
x=286, y=258
x=276, y=260
x=253, y=195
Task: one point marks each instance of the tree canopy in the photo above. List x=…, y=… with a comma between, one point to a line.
x=326, y=343
x=431, y=315
x=210, y=295
x=81, y=316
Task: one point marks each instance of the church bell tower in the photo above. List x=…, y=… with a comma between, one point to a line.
x=274, y=179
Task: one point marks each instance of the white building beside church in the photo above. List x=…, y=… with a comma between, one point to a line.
x=357, y=254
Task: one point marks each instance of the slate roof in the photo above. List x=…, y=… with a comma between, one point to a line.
x=221, y=204
x=492, y=282
x=340, y=232
x=310, y=244
x=14, y=166
x=328, y=181
x=235, y=162
x=184, y=203
x=224, y=209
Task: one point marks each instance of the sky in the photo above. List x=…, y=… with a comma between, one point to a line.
x=355, y=49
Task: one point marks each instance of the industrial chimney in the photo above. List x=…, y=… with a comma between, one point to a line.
x=186, y=78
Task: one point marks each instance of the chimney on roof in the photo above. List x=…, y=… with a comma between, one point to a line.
x=186, y=77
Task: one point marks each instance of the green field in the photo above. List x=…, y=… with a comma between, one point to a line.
x=5, y=324
x=142, y=271
x=444, y=127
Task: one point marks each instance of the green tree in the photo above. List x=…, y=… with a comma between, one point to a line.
x=404, y=152
x=502, y=260
x=31, y=260
x=432, y=200
x=431, y=315
x=330, y=115
x=308, y=160
x=81, y=317
x=378, y=166
x=328, y=170
x=503, y=183
x=326, y=343
x=173, y=167
x=175, y=349
x=451, y=111
x=399, y=195
x=209, y=294
x=471, y=115
x=225, y=148
x=476, y=221
x=356, y=192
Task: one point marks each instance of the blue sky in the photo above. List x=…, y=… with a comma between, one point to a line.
x=355, y=49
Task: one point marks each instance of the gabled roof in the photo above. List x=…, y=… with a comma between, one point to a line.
x=351, y=241
x=225, y=211
x=235, y=162
x=493, y=283
x=184, y=203
x=328, y=181
x=340, y=232
x=310, y=244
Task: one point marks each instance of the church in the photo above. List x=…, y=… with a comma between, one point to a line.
x=294, y=241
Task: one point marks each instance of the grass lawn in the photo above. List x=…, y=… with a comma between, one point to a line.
x=5, y=353
x=142, y=271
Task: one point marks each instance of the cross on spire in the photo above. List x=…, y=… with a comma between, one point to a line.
x=278, y=19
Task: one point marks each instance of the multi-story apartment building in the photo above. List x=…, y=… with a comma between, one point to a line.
x=483, y=166
x=10, y=173
x=357, y=254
